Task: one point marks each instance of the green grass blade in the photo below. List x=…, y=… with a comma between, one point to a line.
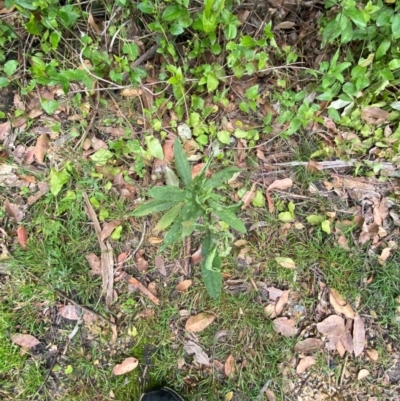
x=182, y=164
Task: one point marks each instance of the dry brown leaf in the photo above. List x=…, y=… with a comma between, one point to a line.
x=342, y=242
x=383, y=208
x=22, y=236
x=146, y=313
x=274, y=293
x=277, y=184
x=196, y=257
x=283, y=299
x=108, y=228
x=160, y=265
x=41, y=148
x=94, y=263
x=285, y=326
x=362, y=374
x=152, y=288
x=141, y=263
x=93, y=24
x=126, y=366
x=132, y=92
x=384, y=255
x=339, y=304
x=248, y=197
x=199, y=322
x=97, y=143
x=43, y=189
x=358, y=336
x=168, y=148
x=5, y=129
x=270, y=395
x=199, y=355
x=287, y=263
x=309, y=345
x=373, y=355
x=374, y=115
x=184, y=285
x=333, y=327
x=114, y=131
x=269, y=310
x=25, y=340
x=69, y=312
x=13, y=211
x=196, y=169
x=229, y=367
x=304, y=364
x=18, y=103
x=340, y=348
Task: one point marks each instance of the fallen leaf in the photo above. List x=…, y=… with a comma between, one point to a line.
x=94, y=263
x=126, y=366
x=288, y=263
x=13, y=211
x=229, y=367
x=362, y=374
x=41, y=148
x=5, y=129
x=196, y=257
x=384, y=255
x=358, y=336
x=132, y=92
x=304, y=364
x=43, y=189
x=248, y=197
x=309, y=345
x=196, y=169
x=269, y=310
x=199, y=355
x=160, y=265
x=373, y=354
x=274, y=293
x=342, y=241
x=270, y=395
x=229, y=395
x=93, y=24
x=339, y=304
x=25, y=340
x=199, y=322
x=146, y=313
x=141, y=263
x=283, y=299
x=69, y=312
x=184, y=285
x=333, y=327
x=285, y=326
x=108, y=228
x=374, y=115
x=168, y=149
x=152, y=288
x=285, y=25
x=277, y=184
x=22, y=236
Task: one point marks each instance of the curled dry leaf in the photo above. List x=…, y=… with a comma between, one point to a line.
x=43, y=189
x=285, y=326
x=373, y=354
x=199, y=322
x=94, y=263
x=25, y=340
x=285, y=25
x=41, y=148
x=339, y=304
x=184, y=285
x=384, y=255
x=160, y=265
x=5, y=129
x=277, y=184
x=288, y=263
x=196, y=257
x=141, y=263
x=274, y=293
x=13, y=211
x=358, y=336
x=22, y=236
x=248, y=197
x=283, y=299
x=229, y=367
x=152, y=288
x=309, y=345
x=131, y=92
x=108, y=228
x=69, y=312
x=126, y=366
x=333, y=327
x=199, y=355
x=304, y=364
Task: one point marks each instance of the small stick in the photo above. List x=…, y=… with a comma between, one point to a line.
x=262, y=391
x=141, y=287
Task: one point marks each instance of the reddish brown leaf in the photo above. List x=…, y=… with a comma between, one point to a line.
x=196, y=169
x=126, y=366
x=304, y=364
x=277, y=184
x=108, y=228
x=152, y=287
x=199, y=322
x=13, y=211
x=333, y=327
x=229, y=367
x=141, y=263
x=309, y=345
x=285, y=326
x=22, y=236
x=274, y=293
x=41, y=148
x=184, y=285
x=69, y=312
x=5, y=129
x=248, y=197
x=94, y=263
x=146, y=313
x=358, y=336
x=25, y=340
x=168, y=149
x=339, y=304
x=384, y=255
x=270, y=395
x=196, y=257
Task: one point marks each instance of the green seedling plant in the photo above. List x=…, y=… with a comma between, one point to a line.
x=196, y=207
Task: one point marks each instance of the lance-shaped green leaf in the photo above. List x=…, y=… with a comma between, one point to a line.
x=153, y=206
x=220, y=177
x=211, y=267
x=228, y=217
x=168, y=218
x=182, y=164
x=168, y=193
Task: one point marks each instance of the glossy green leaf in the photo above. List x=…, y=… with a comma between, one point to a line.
x=285, y=217
x=153, y=206
x=224, y=136
x=168, y=218
x=259, y=199
x=182, y=164
x=382, y=49
x=3, y=82
x=396, y=26
x=211, y=267
x=171, y=12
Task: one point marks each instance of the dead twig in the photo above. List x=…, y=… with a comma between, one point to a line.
x=141, y=288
